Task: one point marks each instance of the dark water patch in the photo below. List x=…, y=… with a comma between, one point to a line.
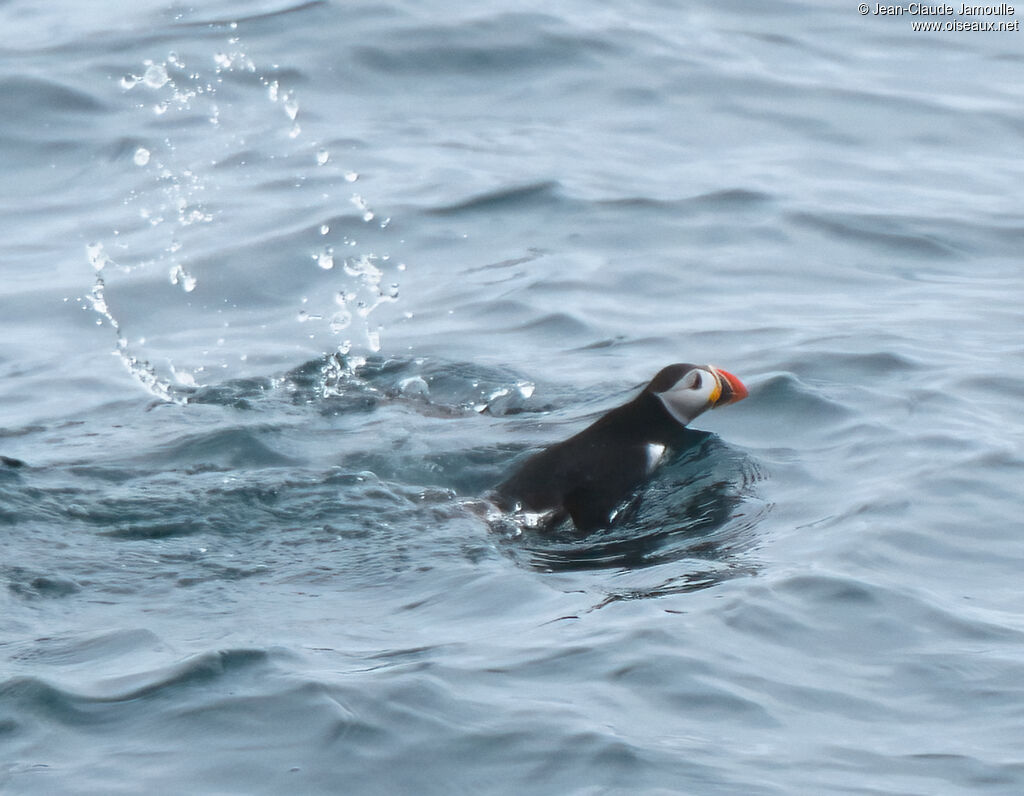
x=927, y=771
x=534, y=195
x=885, y=232
x=853, y=368
x=30, y=99
x=220, y=574
x=731, y=199
x=506, y=308
x=639, y=343
x=562, y=325
x=502, y=265
x=955, y=677
x=213, y=504
x=501, y=44
x=195, y=672
x=163, y=504
x=36, y=698
x=152, y=529
x=692, y=686
x=790, y=400
x=73, y=650
x=846, y=617
x=239, y=448
x=464, y=471
x=237, y=393
x=33, y=585
x=727, y=199
x=33, y=697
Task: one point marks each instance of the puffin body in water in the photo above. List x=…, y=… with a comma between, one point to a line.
x=589, y=475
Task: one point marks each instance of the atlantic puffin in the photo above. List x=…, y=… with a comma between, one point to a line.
x=588, y=476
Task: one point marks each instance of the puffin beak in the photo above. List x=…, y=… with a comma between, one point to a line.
x=731, y=389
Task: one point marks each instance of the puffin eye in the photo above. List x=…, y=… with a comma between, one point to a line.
x=695, y=381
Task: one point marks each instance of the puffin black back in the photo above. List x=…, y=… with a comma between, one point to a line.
x=588, y=476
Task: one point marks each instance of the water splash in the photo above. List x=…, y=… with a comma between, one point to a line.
x=179, y=276
x=143, y=372
x=176, y=196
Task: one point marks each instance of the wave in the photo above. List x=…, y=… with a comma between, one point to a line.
x=36, y=697
x=532, y=195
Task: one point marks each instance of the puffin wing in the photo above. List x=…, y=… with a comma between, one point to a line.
x=603, y=485
x=589, y=508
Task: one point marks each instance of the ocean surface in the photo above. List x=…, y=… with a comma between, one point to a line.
x=286, y=287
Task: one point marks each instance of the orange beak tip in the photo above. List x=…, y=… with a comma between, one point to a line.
x=733, y=389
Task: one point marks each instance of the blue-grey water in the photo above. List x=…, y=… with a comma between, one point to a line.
x=286, y=287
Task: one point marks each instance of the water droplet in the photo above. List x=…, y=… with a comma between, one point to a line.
x=325, y=259
x=128, y=82
x=373, y=340
x=351, y=176
x=324, y=229
x=322, y=156
x=414, y=385
x=141, y=156
x=155, y=76
x=179, y=276
x=340, y=321
x=364, y=268
x=291, y=106
x=183, y=377
x=97, y=257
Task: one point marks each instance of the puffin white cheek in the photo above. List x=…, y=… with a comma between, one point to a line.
x=685, y=404
x=673, y=408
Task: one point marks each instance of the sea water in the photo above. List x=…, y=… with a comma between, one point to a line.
x=287, y=287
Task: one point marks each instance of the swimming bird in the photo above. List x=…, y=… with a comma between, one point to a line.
x=588, y=476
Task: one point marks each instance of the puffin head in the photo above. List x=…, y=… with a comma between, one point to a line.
x=687, y=391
